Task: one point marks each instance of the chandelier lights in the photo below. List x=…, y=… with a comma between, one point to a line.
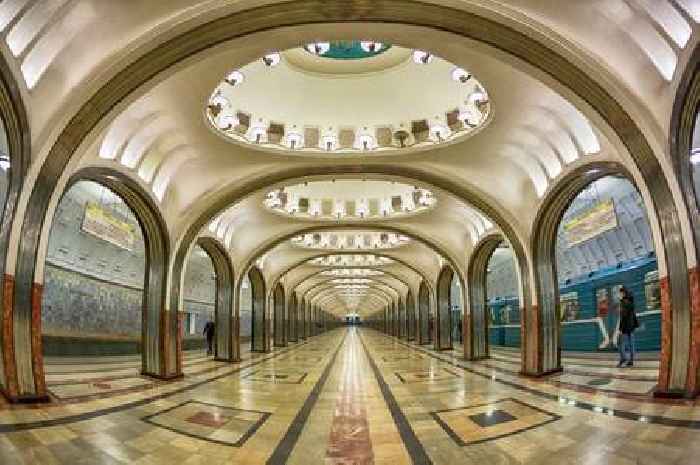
x=324, y=200
x=358, y=241
x=354, y=272
x=351, y=260
x=318, y=48
x=370, y=46
x=421, y=57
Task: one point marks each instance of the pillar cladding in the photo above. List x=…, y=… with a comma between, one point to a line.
x=178, y=341
x=410, y=318
x=693, y=387
x=395, y=319
x=280, y=339
x=37, y=350
x=423, y=315
x=402, y=319
x=292, y=319
x=666, y=336
x=9, y=370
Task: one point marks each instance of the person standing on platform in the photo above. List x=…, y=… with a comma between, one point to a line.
x=628, y=323
x=209, y=331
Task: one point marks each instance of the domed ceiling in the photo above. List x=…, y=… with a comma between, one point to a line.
x=349, y=200
x=352, y=272
x=347, y=260
x=344, y=97
x=364, y=240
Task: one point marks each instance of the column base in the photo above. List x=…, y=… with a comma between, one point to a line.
x=228, y=360
x=160, y=377
x=672, y=394
x=26, y=399
x=542, y=374
x=444, y=349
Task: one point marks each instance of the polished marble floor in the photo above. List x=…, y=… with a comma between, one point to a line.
x=351, y=396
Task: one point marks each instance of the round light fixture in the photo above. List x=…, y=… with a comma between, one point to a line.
x=219, y=102
x=257, y=134
x=439, y=132
x=294, y=140
x=235, y=78
x=329, y=142
x=421, y=57
x=469, y=118
x=272, y=59
x=318, y=48
x=371, y=46
x=366, y=142
x=226, y=122
x=460, y=75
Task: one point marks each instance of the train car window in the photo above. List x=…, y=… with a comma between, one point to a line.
x=569, y=306
x=652, y=291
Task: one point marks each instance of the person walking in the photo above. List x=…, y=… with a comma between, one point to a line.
x=209, y=330
x=628, y=323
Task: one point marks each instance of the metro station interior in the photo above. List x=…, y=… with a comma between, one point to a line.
x=349, y=232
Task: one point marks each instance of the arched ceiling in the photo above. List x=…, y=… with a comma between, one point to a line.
x=536, y=130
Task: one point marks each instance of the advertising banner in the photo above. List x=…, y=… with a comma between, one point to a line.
x=596, y=220
x=103, y=225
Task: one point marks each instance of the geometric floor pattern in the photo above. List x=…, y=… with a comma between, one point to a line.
x=214, y=423
x=481, y=423
x=352, y=396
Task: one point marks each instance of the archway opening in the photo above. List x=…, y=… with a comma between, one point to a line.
x=426, y=318
x=503, y=304
x=4, y=167
x=305, y=325
x=443, y=326
x=456, y=309
x=259, y=332
x=604, y=244
x=94, y=294
x=411, y=317
x=199, y=307
x=245, y=310
x=294, y=318
x=695, y=158
x=279, y=333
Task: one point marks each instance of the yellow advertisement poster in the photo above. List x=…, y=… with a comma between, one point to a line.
x=599, y=218
x=102, y=224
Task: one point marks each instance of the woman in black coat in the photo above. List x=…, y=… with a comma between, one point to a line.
x=628, y=323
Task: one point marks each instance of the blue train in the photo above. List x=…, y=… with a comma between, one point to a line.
x=589, y=309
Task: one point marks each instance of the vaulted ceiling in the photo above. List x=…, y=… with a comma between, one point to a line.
x=495, y=174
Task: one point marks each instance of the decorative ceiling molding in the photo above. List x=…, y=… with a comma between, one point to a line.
x=349, y=200
x=365, y=240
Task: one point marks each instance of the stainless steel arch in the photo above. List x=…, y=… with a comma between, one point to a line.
x=683, y=121
x=279, y=316
x=477, y=346
x=227, y=346
x=260, y=334
x=675, y=305
x=18, y=133
x=443, y=320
